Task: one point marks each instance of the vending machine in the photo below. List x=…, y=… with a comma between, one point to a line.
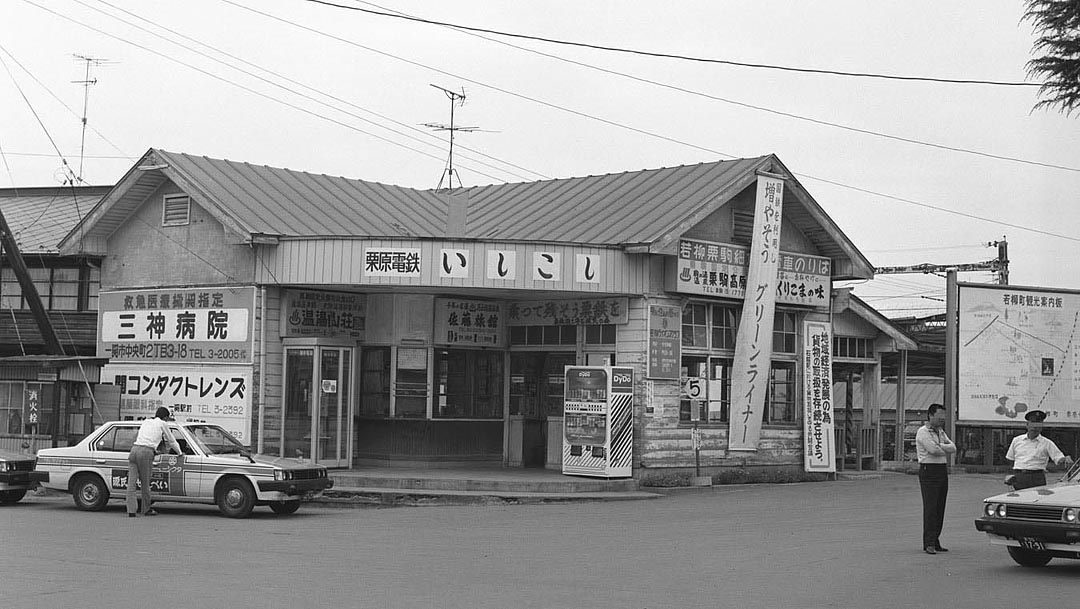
x=598, y=421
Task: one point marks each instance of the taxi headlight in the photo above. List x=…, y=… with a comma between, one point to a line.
x=279, y=474
x=1069, y=515
x=1001, y=511
x=990, y=510
x=6, y=466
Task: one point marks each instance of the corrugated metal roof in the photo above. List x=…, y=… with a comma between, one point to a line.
x=650, y=207
x=282, y=202
x=612, y=209
x=40, y=217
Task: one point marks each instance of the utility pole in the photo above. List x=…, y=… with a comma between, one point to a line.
x=455, y=99
x=999, y=266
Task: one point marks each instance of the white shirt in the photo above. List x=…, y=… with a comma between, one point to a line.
x=933, y=446
x=1033, y=454
x=153, y=431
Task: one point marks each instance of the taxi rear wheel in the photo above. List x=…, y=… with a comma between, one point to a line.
x=9, y=497
x=284, y=507
x=90, y=493
x=236, y=498
x=1029, y=558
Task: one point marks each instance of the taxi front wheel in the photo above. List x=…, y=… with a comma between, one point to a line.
x=1028, y=558
x=236, y=498
x=9, y=497
x=284, y=507
x=90, y=493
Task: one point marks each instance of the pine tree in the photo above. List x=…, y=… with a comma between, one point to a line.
x=1057, y=23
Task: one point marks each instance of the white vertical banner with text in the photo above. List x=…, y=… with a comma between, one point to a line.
x=753, y=345
x=819, y=453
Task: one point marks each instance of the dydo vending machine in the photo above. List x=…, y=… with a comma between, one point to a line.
x=598, y=421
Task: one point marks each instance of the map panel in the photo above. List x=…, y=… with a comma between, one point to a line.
x=1018, y=352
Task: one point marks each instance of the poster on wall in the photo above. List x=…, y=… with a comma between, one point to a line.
x=819, y=455
x=1017, y=351
x=468, y=322
x=198, y=325
x=194, y=394
x=569, y=312
x=665, y=341
x=322, y=314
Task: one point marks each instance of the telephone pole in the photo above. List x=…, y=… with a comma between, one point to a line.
x=999, y=265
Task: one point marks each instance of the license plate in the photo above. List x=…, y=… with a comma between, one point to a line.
x=1030, y=543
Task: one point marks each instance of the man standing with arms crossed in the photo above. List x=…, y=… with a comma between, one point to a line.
x=141, y=459
x=1030, y=452
x=933, y=448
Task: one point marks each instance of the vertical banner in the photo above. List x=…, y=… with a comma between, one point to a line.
x=665, y=341
x=753, y=345
x=820, y=455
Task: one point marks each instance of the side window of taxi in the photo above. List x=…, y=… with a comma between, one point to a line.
x=118, y=439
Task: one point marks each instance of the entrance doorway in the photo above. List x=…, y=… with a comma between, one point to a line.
x=318, y=388
x=536, y=394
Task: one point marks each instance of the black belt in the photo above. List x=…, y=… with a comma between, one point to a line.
x=1030, y=471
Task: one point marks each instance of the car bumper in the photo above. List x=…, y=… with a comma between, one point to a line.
x=21, y=480
x=1057, y=532
x=295, y=487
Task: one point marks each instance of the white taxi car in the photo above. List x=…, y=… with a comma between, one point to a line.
x=1036, y=524
x=214, y=469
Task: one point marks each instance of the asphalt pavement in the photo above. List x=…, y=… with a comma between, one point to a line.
x=846, y=543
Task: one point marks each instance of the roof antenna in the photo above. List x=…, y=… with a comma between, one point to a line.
x=458, y=99
x=86, y=100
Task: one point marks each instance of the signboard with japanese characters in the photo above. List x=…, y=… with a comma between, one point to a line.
x=392, y=262
x=665, y=341
x=720, y=269
x=753, y=344
x=1019, y=350
x=818, y=452
x=468, y=322
x=194, y=394
x=322, y=314
x=200, y=325
x=575, y=312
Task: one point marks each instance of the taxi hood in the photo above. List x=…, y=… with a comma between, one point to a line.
x=1061, y=493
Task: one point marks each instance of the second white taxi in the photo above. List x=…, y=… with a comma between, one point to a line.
x=214, y=468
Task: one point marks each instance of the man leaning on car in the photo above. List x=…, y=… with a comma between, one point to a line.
x=141, y=458
x=1030, y=452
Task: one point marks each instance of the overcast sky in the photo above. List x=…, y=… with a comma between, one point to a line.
x=909, y=170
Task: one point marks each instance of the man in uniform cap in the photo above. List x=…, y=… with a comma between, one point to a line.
x=1031, y=451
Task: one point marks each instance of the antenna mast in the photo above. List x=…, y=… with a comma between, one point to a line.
x=458, y=99
x=86, y=100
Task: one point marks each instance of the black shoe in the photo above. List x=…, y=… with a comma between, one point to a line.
x=941, y=549
x=151, y=512
x=131, y=515
x=930, y=550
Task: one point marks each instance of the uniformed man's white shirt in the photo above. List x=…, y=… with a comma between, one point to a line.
x=1032, y=454
x=153, y=431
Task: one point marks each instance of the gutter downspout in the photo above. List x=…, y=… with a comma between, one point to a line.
x=262, y=367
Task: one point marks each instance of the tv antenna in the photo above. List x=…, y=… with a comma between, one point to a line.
x=459, y=100
x=86, y=82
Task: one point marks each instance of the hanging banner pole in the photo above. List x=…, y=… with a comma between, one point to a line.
x=753, y=345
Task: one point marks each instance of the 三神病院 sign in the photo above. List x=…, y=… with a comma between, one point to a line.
x=198, y=325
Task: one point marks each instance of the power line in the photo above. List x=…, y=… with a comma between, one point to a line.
x=33, y=111
x=680, y=57
x=791, y=115
x=298, y=83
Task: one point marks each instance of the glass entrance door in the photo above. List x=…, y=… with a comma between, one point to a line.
x=318, y=384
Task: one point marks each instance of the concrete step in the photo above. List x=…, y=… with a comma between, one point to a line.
x=345, y=496
x=551, y=483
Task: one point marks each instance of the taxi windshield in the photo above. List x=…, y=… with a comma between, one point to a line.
x=214, y=440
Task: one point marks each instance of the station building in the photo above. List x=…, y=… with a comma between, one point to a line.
x=358, y=323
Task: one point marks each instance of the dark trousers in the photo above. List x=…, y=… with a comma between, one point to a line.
x=934, y=483
x=1027, y=478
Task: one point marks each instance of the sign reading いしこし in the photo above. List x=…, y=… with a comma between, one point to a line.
x=322, y=314
x=665, y=341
